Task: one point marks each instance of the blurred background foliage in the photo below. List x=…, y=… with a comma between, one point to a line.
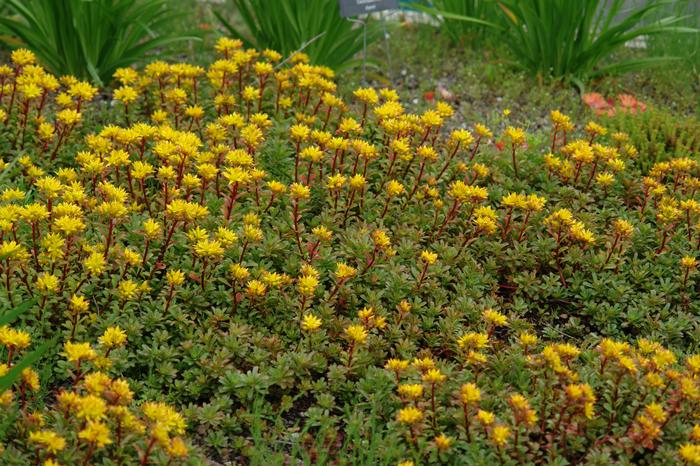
x=91, y=39
x=577, y=42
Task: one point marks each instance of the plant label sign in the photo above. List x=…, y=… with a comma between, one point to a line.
x=350, y=8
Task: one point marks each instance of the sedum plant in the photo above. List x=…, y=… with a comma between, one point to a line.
x=247, y=266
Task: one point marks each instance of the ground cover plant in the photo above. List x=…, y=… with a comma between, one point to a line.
x=241, y=265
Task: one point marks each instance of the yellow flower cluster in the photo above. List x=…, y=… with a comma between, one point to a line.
x=100, y=406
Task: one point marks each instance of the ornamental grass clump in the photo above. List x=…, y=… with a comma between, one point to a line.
x=246, y=265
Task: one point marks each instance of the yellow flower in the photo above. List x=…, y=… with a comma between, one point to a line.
x=252, y=136
x=366, y=95
x=300, y=132
x=476, y=358
x=404, y=307
x=693, y=363
x=91, y=407
x=526, y=339
x=535, y=203
x=273, y=279
x=411, y=391
x=78, y=304
x=473, y=340
x=151, y=228
x=465, y=193
x=605, y=179
x=226, y=45
x=252, y=233
x=95, y=263
x=131, y=258
x=470, y=394
x=322, y=233
x=344, y=271
x=579, y=232
x=357, y=182
x=443, y=442
x=82, y=90
x=428, y=257
x=96, y=382
x=22, y=57
x=410, y=415
x=494, y=318
x=69, y=117
x=690, y=453
x=250, y=93
x=238, y=272
x=485, y=417
x=336, y=181
x=623, y=228
x=516, y=135
x=126, y=75
x=299, y=191
x=356, y=333
x=30, y=379
x=462, y=136
x=79, y=351
x=175, y=277
x=12, y=338
x=177, y=448
x=381, y=239
x=307, y=285
x=394, y=188
x=47, y=283
x=310, y=323
x=96, y=433
x=113, y=337
x=434, y=376
x=521, y=410
x=559, y=119
x=500, y=435
x=207, y=249
x=582, y=394
x=256, y=288
x=396, y=365
x=311, y=153
x=514, y=200
x=427, y=153
x=595, y=129
x=237, y=175
x=69, y=225
x=128, y=289
x=125, y=94
x=689, y=262
x=49, y=440
x=164, y=418
x=558, y=219
x=11, y=250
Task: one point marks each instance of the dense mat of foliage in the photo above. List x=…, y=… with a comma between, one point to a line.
x=246, y=267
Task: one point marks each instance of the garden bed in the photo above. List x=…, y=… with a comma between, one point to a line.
x=257, y=262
